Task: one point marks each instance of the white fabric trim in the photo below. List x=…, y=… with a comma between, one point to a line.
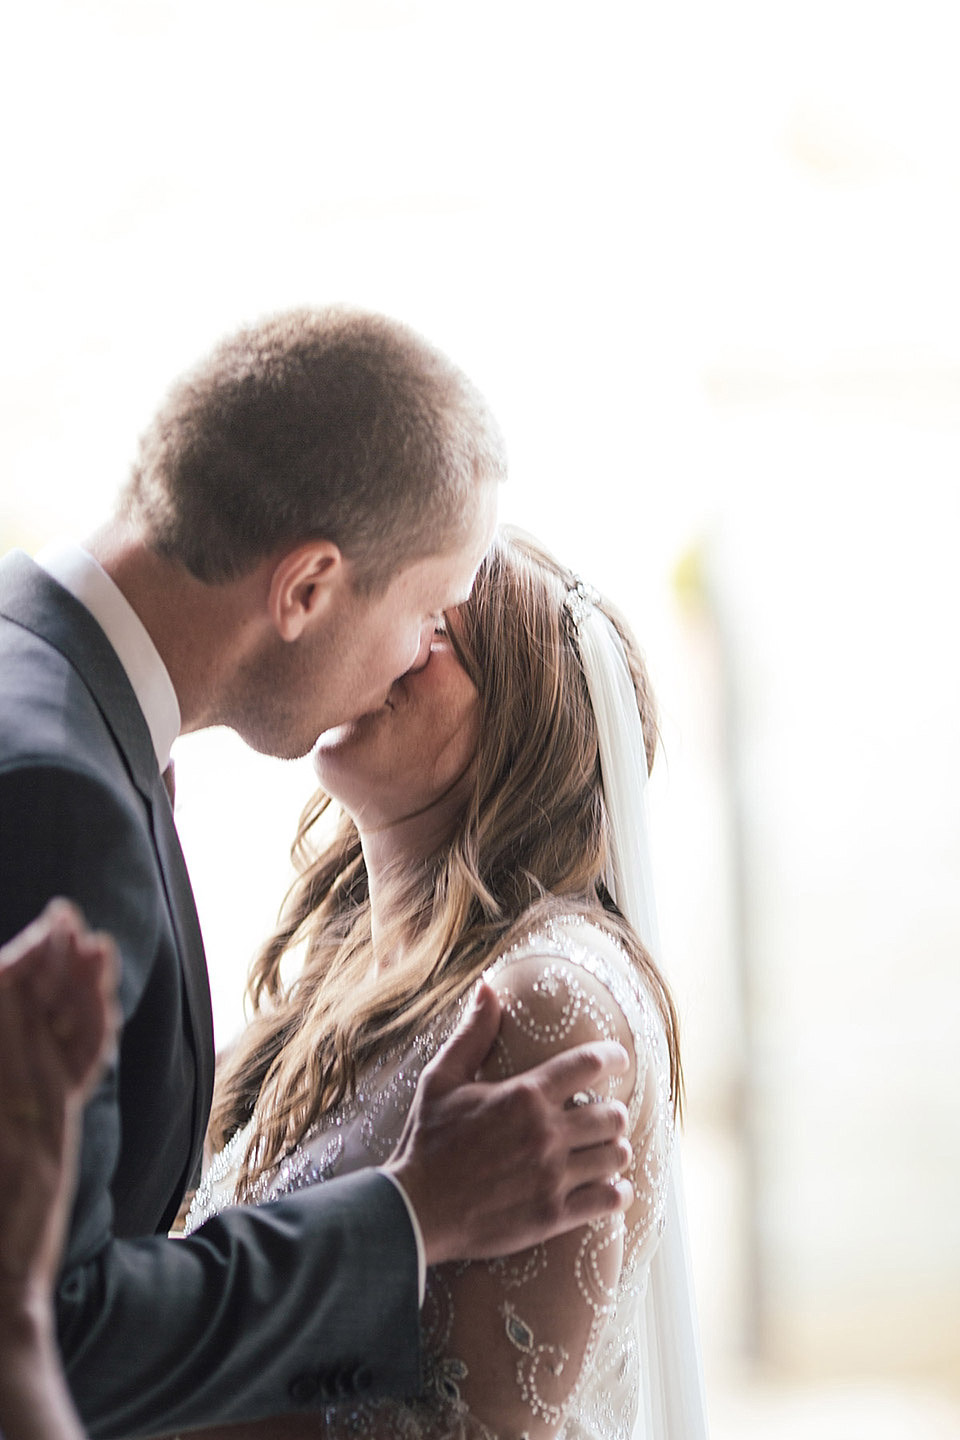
x=417, y=1234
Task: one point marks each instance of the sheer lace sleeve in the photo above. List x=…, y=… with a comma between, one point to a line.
x=544, y=1343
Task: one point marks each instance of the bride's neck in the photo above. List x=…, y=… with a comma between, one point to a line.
x=391, y=854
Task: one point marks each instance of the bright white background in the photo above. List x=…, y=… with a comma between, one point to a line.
x=702, y=258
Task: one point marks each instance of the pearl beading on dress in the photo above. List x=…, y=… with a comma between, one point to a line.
x=586, y=1397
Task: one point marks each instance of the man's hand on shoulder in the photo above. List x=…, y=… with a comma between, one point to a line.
x=493, y=1167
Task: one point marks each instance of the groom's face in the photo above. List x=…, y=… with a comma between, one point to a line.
x=344, y=668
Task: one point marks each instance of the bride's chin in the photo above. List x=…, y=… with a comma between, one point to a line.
x=342, y=774
x=338, y=742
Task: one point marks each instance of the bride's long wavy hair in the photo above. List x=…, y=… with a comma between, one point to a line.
x=531, y=843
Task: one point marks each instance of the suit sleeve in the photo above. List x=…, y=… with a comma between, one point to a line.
x=260, y=1311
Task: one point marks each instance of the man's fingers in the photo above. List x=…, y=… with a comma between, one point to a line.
x=465, y=1051
x=83, y=1016
x=595, y=1202
x=62, y=980
x=39, y=955
x=578, y=1071
x=32, y=1073
x=600, y=1162
x=31, y=947
x=50, y=1084
x=16, y=1079
x=594, y=1124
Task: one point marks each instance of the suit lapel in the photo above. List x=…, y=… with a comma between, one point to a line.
x=186, y=926
x=31, y=598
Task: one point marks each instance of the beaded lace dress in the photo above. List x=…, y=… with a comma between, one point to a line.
x=544, y=1343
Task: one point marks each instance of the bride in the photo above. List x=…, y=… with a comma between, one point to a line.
x=492, y=828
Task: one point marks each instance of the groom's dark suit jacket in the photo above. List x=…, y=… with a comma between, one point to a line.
x=262, y=1310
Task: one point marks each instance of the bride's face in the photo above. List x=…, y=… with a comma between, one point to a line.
x=414, y=753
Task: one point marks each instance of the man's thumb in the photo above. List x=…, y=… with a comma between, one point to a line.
x=470, y=1044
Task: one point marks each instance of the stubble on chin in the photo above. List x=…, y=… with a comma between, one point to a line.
x=273, y=705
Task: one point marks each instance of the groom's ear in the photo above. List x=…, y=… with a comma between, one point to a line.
x=303, y=585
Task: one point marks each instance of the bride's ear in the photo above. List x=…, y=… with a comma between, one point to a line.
x=303, y=586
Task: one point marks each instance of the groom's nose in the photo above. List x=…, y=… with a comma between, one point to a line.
x=423, y=652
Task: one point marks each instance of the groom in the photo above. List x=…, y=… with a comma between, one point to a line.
x=303, y=507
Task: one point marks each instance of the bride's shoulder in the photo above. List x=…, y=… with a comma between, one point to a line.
x=568, y=981
x=569, y=951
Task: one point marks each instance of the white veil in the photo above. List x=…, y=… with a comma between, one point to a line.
x=673, y=1406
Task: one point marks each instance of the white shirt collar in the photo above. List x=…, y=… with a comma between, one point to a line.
x=88, y=582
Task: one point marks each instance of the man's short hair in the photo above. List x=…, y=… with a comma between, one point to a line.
x=315, y=424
